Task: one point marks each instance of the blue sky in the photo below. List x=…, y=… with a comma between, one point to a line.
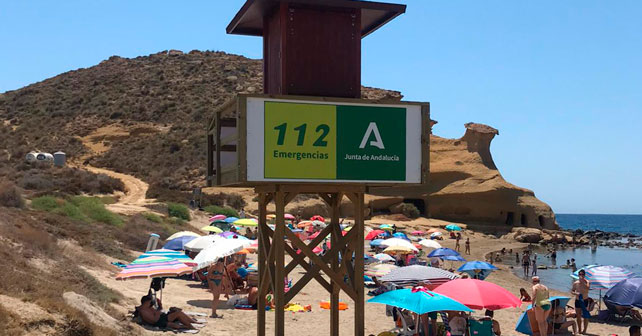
x=561, y=80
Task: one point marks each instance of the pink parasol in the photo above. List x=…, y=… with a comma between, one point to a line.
x=217, y=217
x=417, y=233
x=289, y=216
x=479, y=294
x=372, y=234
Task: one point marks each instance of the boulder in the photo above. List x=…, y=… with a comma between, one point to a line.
x=396, y=208
x=309, y=208
x=93, y=313
x=528, y=235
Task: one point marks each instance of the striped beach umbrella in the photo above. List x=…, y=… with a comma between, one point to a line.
x=605, y=277
x=153, y=267
x=414, y=274
x=178, y=255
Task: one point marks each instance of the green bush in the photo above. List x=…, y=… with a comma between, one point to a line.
x=178, y=211
x=81, y=208
x=152, y=217
x=410, y=210
x=72, y=211
x=46, y=203
x=218, y=210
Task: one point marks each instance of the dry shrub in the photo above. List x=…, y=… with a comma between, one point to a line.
x=10, y=196
x=10, y=323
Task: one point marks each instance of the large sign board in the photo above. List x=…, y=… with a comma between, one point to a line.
x=315, y=141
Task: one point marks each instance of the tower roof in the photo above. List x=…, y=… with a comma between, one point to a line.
x=249, y=19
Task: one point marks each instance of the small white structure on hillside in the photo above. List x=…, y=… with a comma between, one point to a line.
x=59, y=159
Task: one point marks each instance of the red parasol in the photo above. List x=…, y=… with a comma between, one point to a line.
x=479, y=294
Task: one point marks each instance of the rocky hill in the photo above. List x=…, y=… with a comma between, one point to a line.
x=147, y=116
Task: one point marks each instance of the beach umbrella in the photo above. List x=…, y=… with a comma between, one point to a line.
x=182, y=234
x=246, y=222
x=368, y=259
x=398, y=242
x=523, y=324
x=477, y=269
x=314, y=235
x=348, y=228
x=217, y=217
x=398, y=249
x=605, y=277
x=230, y=219
x=379, y=270
x=444, y=252
x=400, y=235
x=453, y=227
x=201, y=243
x=575, y=275
x=178, y=244
x=289, y=216
x=436, y=235
x=386, y=227
x=414, y=274
x=376, y=242
x=627, y=292
x=429, y=243
x=417, y=233
x=219, y=249
x=303, y=224
x=210, y=228
x=478, y=294
x=153, y=267
x=180, y=256
x=419, y=301
x=317, y=218
x=383, y=257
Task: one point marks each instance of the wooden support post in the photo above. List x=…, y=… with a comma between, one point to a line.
x=334, y=296
x=359, y=316
x=278, y=243
x=262, y=265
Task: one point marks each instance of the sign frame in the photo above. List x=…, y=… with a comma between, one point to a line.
x=228, y=138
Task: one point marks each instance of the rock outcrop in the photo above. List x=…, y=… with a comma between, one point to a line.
x=466, y=186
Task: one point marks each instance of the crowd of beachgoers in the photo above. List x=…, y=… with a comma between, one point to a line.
x=425, y=279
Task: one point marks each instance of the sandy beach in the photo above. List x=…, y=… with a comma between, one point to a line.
x=191, y=296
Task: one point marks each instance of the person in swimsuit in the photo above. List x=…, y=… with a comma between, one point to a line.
x=541, y=305
x=523, y=295
x=215, y=277
x=560, y=323
x=526, y=263
x=581, y=289
x=163, y=320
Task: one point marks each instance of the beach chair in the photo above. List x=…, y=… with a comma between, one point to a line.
x=615, y=314
x=480, y=328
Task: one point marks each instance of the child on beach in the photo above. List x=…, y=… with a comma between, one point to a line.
x=523, y=295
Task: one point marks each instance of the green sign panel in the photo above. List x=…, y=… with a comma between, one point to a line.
x=308, y=141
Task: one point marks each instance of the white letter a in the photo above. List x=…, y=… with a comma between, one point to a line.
x=372, y=128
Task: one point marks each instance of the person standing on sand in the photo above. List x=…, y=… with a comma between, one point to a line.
x=517, y=258
x=581, y=289
x=215, y=278
x=467, y=245
x=541, y=305
x=457, y=246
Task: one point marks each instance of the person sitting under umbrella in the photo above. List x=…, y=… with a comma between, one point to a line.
x=457, y=323
x=495, y=325
x=559, y=318
x=163, y=320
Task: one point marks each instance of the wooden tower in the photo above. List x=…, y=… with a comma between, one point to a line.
x=311, y=48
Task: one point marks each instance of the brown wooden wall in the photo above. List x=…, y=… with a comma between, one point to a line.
x=323, y=53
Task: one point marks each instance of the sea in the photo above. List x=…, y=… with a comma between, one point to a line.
x=558, y=278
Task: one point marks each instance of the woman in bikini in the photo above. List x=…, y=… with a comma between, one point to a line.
x=541, y=305
x=214, y=279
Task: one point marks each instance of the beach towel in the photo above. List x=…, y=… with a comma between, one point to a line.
x=585, y=312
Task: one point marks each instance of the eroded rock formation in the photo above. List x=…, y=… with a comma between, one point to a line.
x=465, y=185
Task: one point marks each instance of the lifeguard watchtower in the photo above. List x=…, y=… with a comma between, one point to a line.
x=311, y=133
